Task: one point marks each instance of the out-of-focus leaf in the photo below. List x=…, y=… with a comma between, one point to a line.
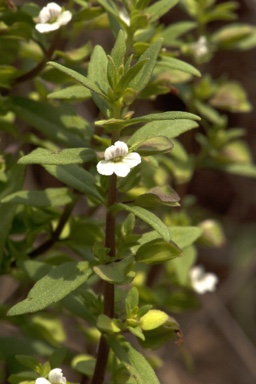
x=50, y=197
x=60, y=124
x=231, y=96
x=158, y=9
x=171, y=62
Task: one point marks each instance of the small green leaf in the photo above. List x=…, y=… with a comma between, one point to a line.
x=50, y=197
x=164, y=116
x=60, y=157
x=135, y=363
x=154, y=318
x=84, y=364
x=231, y=96
x=53, y=287
x=143, y=77
x=119, y=272
x=154, y=146
x=171, y=62
x=28, y=361
x=78, y=77
x=119, y=50
x=159, y=8
x=157, y=251
x=158, y=196
x=74, y=92
x=149, y=218
x=175, y=30
x=107, y=324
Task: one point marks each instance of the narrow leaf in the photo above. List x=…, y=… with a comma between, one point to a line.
x=78, y=77
x=171, y=62
x=149, y=218
x=159, y=8
x=74, y=92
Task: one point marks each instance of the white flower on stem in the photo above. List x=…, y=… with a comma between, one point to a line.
x=201, y=47
x=201, y=281
x=52, y=17
x=118, y=160
x=55, y=376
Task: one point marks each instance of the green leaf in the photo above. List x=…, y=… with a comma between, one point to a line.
x=175, y=30
x=229, y=35
x=75, y=177
x=14, y=182
x=143, y=77
x=171, y=62
x=183, y=265
x=60, y=124
x=157, y=251
x=149, y=218
x=158, y=196
x=60, y=157
x=74, y=92
x=28, y=361
x=169, y=129
x=154, y=318
x=231, y=96
x=210, y=113
x=50, y=197
x=159, y=8
x=119, y=50
x=128, y=77
x=107, y=324
x=84, y=364
x=98, y=74
x=135, y=363
x=180, y=236
x=52, y=288
x=154, y=146
x=119, y=272
x=248, y=170
x=86, y=82
x=164, y=116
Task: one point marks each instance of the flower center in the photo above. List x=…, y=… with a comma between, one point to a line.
x=117, y=159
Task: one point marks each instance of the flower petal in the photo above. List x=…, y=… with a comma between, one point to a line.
x=132, y=159
x=42, y=380
x=105, y=167
x=44, y=28
x=116, y=150
x=64, y=18
x=56, y=376
x=121, y=169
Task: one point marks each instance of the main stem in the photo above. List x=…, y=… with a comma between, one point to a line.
x=109, y=289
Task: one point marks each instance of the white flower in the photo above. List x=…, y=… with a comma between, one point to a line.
x=202, y=282
x=118, y=160
x=52, y=17
x=55, y=376
x=42, y=380
x=123, y=14
x=201, y=47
